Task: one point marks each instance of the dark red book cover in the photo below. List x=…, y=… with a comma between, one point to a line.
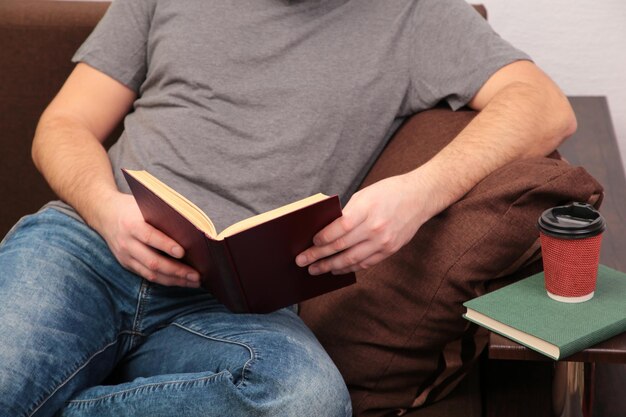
x=252, y=271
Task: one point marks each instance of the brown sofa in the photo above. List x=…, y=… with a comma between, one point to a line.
x=400, y=344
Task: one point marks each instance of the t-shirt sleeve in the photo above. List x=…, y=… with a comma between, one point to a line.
x=118, y=44
x=455, y=51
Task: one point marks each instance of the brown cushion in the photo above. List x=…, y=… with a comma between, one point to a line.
x=398, y=336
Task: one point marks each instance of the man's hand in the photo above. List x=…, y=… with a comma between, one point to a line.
x=376, y=223
x=141, y=248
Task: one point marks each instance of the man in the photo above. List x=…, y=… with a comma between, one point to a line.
x=242, y=106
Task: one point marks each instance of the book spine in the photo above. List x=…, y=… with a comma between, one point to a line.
x=231, y=294
x=235, y=277
x=591, y=339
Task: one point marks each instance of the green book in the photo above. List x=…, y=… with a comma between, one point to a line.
x=524, y=313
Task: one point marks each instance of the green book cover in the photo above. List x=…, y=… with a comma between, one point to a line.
x=523, y=312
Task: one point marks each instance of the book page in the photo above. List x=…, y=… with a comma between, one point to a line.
x=270, y=215
x=512, y=333
x=199, y=219
x=177, y=201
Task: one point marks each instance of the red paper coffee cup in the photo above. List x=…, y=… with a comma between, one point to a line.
x=571, y=237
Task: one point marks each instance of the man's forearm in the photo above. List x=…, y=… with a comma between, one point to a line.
x=74, y=163
x=521, y=121
x=68, y=150
x=522, y=114
x=77, y=167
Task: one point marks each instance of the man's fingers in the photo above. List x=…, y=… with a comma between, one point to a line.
x=159, y=278
x=154, y=238
x=354, y=256
x=158, y=268
x=340, y=227
x=341, y=234
x=316, y=253
x=365, y=264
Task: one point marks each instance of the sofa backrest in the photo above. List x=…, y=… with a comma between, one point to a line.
x=37, y=40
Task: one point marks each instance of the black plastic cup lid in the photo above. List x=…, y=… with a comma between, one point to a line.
x=573, y=221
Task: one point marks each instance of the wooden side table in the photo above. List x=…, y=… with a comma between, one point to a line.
x=521, y=382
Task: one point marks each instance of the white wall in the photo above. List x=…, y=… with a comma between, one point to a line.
x=580, y=44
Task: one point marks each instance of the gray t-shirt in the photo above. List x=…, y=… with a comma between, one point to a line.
x=246, y=105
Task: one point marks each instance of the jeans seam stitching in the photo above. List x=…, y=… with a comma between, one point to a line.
x=69, y=377
x=142, y=298
x=154, y=384
x=250, y=350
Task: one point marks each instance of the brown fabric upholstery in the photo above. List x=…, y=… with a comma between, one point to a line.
x=37, y=40
x=398, y=336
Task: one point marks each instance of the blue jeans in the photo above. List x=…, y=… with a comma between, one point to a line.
x=82, y=336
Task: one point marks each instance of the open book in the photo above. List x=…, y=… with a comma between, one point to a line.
x=249, y=266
